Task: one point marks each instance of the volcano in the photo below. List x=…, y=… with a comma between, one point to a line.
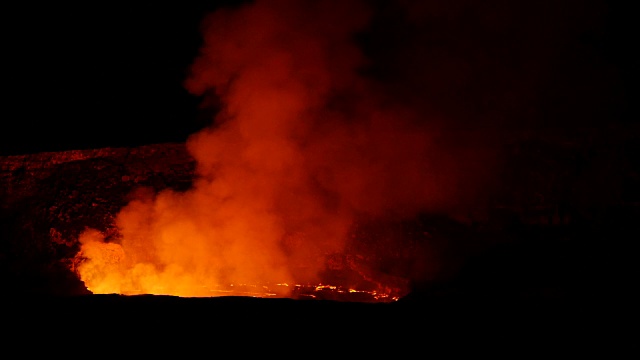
x=378, y=168
x=524, y=272
x=51, y=199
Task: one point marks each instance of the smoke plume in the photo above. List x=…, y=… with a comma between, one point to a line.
x=325, y=116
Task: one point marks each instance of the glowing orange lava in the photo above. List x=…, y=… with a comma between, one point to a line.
x=105, y=269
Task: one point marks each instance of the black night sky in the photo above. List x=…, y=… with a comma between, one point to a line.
x=100, y=74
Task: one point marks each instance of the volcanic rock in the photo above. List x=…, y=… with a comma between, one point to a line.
x=49, y=198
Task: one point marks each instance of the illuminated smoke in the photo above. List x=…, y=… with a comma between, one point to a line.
x=307, y=140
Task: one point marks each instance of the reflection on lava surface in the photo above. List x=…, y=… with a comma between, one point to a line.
x=313, y=292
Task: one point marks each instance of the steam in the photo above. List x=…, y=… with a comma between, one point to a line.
x=314, y=132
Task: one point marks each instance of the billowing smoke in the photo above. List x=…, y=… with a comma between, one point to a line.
x=325, y=116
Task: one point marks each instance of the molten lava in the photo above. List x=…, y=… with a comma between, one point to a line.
x=105, y=269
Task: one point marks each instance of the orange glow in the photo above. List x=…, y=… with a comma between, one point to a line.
x=303, y=145
x=108, y=270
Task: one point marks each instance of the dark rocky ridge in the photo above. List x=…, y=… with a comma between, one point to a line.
x=542, y=237
x=49, y=198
